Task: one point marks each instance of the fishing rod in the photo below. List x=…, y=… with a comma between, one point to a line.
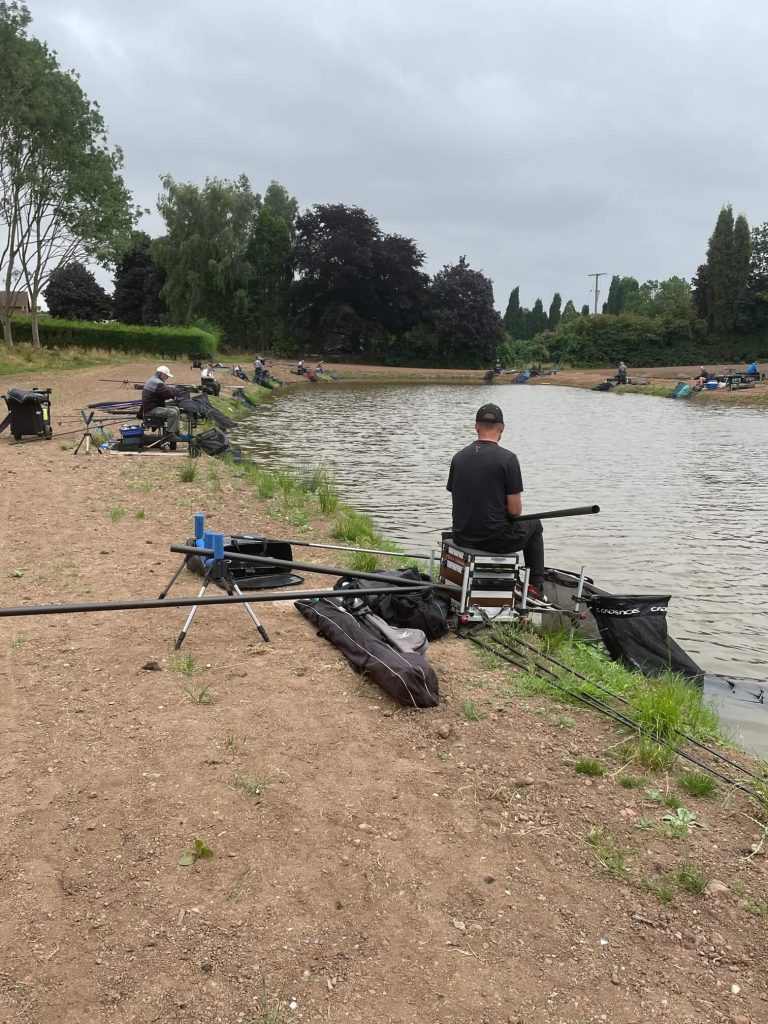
x=338, y=547
x=596, y=704
x=616, y=696
x=281, y=563
x=186, y=602
x=561, y=513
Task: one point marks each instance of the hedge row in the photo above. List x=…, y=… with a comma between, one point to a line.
x=644, y=341
x=181, y=342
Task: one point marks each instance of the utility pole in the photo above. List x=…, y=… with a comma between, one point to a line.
x=597, y=290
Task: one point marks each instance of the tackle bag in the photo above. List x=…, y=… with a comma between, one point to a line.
x=407, y=677
x=426, y=610
x=634, y=631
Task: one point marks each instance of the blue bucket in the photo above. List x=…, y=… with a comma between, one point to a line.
x=711, y=385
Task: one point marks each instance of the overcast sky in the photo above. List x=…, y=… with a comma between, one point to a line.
x=544, y=140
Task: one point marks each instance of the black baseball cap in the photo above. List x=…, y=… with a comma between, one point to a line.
x=489, y=413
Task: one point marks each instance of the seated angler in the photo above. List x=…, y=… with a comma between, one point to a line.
x=208, y=381
x=153, y=398
x=486, y=488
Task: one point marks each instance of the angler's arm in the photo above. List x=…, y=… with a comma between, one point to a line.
x=514, y=505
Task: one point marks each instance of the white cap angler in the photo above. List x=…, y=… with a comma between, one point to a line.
x=165, y=370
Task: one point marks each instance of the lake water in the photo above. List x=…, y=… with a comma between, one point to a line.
x=683, y=490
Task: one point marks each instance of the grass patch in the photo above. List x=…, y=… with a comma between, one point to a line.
x=608, y=852
x=697, y=784
x=188, y=471
x=589, y=766
x=184, y=663
x=251, y=787
x=25, y=358
x=199, y=695
x=471, y=711
x=354, y=528
x=630, y=782
x=116, y=514
x=139, y=513
x=691, y=879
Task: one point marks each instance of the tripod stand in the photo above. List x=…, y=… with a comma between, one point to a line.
x=217, y=571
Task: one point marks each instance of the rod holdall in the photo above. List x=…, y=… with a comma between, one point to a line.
x=633, y=628
x=427, y=610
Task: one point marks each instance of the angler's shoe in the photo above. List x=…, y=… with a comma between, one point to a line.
x=536, y=595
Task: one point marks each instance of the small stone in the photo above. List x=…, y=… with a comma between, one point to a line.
x=735, y=989
x=459, y=925
x=524, y=781
x=717, y=939
x=716, y=887
x=615, y=979
x=152, y=666
x=444, y=731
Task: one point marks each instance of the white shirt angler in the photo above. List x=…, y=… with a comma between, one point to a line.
x=206, y=373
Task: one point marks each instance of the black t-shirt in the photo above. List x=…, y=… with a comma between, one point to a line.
x=480, y=478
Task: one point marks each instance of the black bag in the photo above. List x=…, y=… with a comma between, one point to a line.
x=426, y=609
x=634, y=631
x=212, y=442
x=408, y=677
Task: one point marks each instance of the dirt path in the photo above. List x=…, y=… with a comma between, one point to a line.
x=394, y=866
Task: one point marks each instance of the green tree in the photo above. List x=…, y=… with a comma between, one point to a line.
x=662, y=298
x=585, y=309
x=513, y=314
x=537, y=321
x=62, y=197
x=355, y=286
x=205, y=251
x=269, y=255
x=73, y=293
x=467, y=327
x=620, y=294
x=569, y=311
x=728, y=256
x=138, y=281
x=282, y=205
x=554, y=311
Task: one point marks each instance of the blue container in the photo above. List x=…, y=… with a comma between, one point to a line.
x=711, y=385
x=131, y=432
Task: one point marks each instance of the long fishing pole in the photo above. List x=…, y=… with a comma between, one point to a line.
x=617, y=696
x=281, y=563
x=337, y=547
x=186, y=602
x=598, y=705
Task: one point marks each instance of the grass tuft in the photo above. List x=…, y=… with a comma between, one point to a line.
x=697, y=783
x=251, y=787
x=184, y=663
x=116, y=514
x=471, y=711
x=608, y=852
x=188, y=471
x=691, y=878
x=201, y=695
x=630, y=782
x=589, y=766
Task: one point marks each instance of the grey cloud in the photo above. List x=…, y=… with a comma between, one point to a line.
x=543, y=141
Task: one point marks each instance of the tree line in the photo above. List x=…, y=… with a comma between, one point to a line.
x=720, y=315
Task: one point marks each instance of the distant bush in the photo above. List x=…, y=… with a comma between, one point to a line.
x=181, y=342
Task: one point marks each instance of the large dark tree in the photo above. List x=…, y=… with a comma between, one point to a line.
x=554, y=311
x=138, y=281
x=513, y=318
x=619, y=294
x=728, y=257
x=269, y=255
x=700, y=292
x=74, y=294
x=354, y=284
x=537, y=320
x=467, y=327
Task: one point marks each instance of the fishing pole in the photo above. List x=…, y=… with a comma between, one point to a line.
x=281, y=563
x=616, y=696
x=338, y=547
x=598, y=705
x=186, y=602
x=561, y=513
